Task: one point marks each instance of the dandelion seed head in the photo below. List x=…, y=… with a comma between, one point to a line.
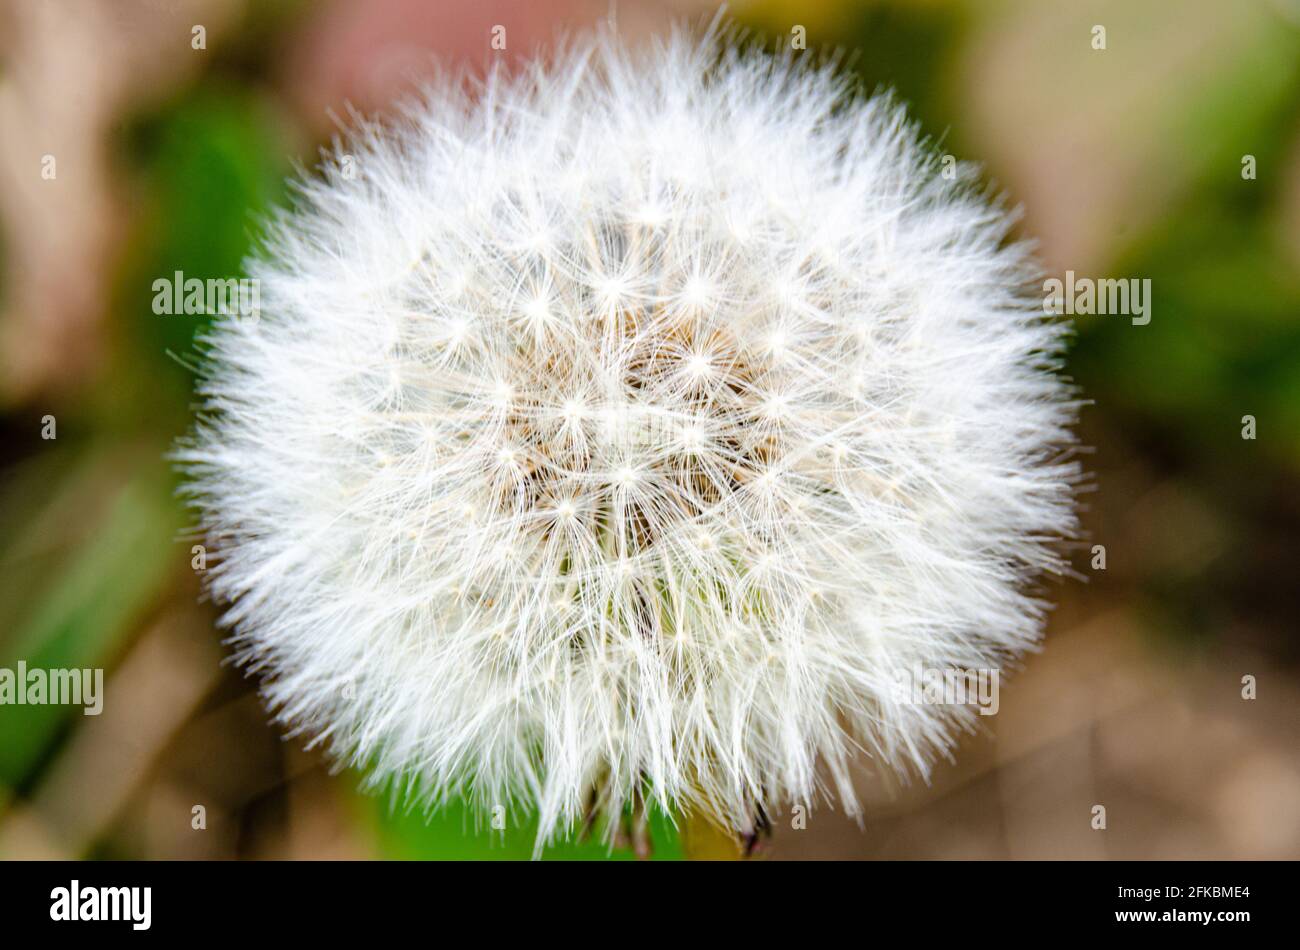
x=627, y=425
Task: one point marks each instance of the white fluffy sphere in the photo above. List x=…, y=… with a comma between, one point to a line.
x=625, y=429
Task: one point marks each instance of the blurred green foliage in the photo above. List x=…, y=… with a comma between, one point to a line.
x=456, y=833
x=207, y=168
x=86, y=553
x=1226, y=338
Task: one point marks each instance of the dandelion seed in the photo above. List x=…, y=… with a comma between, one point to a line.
x=834, y=451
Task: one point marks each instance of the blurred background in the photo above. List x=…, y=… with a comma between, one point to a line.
x=143, y=137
